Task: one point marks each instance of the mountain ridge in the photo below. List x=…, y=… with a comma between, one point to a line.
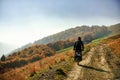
x=93, y=32
x=68, y=34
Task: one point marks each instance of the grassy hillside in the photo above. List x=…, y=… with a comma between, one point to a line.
x=114, y=43
x=56, y=66
x=38, y=61
x=26, y=56
x=113, y=61
x=31, y=70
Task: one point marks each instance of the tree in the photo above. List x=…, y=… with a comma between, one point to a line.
x=3, y=58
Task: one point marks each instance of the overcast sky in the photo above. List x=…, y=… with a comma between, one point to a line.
x=24, y=21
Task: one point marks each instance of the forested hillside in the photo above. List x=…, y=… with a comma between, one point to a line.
x=85, y=32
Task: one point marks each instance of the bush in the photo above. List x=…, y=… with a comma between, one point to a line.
x=3, y=58
x=60, y=72
x=16, y=63
x=35, y=58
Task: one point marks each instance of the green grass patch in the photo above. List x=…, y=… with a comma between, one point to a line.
x=66, y=49
x=97, y=41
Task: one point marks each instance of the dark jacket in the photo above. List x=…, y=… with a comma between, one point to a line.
x=78, y=46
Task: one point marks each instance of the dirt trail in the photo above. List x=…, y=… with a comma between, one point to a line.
x=77, y=70
x=93, y=67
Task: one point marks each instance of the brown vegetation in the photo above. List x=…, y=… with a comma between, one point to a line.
x=29, y=70
x=114, y=43
x=26, y=56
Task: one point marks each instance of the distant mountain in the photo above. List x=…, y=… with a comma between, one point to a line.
x=6, y=48
x=115, y=29
x=80, y=31
x=23, y=47
x=96, y=31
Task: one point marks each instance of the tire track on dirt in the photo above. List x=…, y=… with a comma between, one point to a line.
x=93, y=67
x=77, y=72
x=98, y=68
x=103, y=63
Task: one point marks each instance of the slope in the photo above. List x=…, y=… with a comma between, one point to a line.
x=93, y=67
x=115, y=29
x=99, y=63
x=41, y=64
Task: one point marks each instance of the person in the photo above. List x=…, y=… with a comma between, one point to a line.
x=78, y=47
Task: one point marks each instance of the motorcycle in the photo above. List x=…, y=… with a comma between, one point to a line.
x=78, y=56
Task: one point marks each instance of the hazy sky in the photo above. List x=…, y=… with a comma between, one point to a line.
x=24, y=21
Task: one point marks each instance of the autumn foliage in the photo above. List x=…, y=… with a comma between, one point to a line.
x=29, y=70
x=114, y=43
x=25, y=57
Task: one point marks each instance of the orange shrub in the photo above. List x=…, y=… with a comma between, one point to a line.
x=24, y=72
x=114, y=43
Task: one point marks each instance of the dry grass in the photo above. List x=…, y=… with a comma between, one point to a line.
x=115, y=46
x=114, y=43
x=31, y=69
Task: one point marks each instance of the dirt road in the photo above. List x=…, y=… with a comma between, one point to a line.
x=93, y=67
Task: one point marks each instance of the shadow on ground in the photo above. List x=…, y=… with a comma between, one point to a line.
x=96, y=69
